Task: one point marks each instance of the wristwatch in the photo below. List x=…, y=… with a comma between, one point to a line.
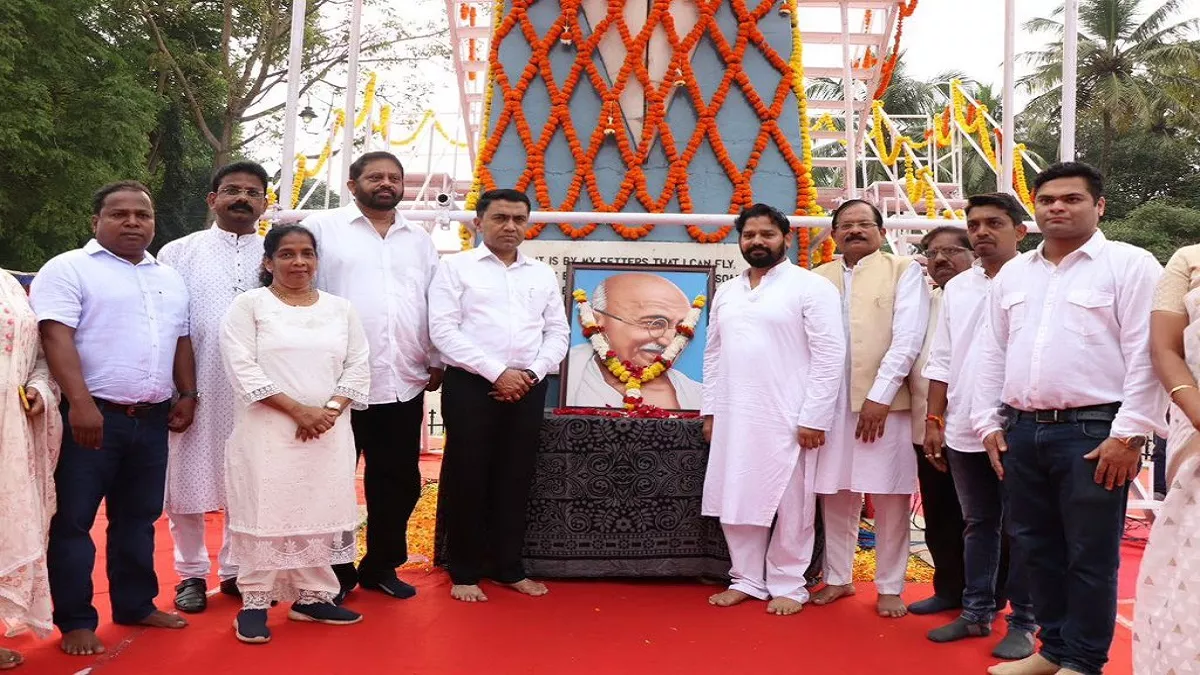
x=1134, y=442
x=532, y=375
x=189, y=394
x=333, y=405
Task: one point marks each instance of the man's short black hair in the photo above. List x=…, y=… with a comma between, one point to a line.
x=837, y=213
x=119, y=186
x=759, y=211
x=1089, y=173
x=1001, y=200
x=501, y=195
x=253, y=168
x=946, y=229
x=360, y=164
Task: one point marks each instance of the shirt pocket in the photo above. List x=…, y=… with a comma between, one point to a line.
x=1015, y=305
x=1088, y=312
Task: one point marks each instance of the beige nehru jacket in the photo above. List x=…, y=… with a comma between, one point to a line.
x=920, y=385
x=872, y=301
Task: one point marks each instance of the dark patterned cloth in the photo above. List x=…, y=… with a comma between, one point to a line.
x=620, y=498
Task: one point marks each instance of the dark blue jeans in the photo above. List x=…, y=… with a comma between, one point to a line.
x=984, y=539
x=128, y=472
x=1070, y=529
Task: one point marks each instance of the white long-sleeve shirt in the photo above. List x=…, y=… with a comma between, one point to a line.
x=386, y=279
x=950, y=356
x=1072, y=335
x=485, y=316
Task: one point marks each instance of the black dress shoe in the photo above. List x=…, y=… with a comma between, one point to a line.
x=230, y=587
x=392, y=586
x=191, y=596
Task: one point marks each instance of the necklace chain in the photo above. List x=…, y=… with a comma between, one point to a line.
x=287, y=301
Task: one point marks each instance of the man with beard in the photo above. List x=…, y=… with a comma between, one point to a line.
x=995, y=225
x=1064, y=399
x=382, y=263
x=639, y=313
x=772, y=370
x=217, y=264
x=114, y=325
x=948, y=252
x=885, y=311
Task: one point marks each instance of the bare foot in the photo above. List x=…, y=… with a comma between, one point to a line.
x=81, y=642
x=160, y=619
x=1030, y=665
x=10, y=659
x=784, y=607
x=829, y=594
x=728, y=598
x=890, y=607
x=529, y=587
x=467, y=593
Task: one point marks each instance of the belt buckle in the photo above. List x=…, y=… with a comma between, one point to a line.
x=1047, y=416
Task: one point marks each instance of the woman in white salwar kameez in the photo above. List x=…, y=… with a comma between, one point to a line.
x=30, y=431
x=298, y=359
x=1167, y=613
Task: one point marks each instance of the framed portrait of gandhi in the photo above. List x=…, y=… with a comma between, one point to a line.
x=636, y=322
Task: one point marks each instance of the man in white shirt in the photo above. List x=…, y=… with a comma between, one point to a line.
x=885, y=310
x=772, y=369
x=638, y=313
x=217, y=264
x=995, y=225
x=499, y=320
x=382, y=263
x=114, y=327
x=1064, y=400
x=948, y=253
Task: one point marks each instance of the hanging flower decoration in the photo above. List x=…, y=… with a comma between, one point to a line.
x=636, y=376
x=586, y=140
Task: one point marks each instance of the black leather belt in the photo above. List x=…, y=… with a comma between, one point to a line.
x=1104, y=412
x=132, y=409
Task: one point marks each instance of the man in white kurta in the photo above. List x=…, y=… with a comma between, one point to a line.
x=772, y=369
x=217, y=264
x=885, y=304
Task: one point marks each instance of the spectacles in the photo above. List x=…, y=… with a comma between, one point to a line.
x=656, y=327
x=945, y=251
x=232, y=191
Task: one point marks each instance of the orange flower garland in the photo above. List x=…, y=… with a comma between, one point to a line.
x=803, y=244
x=565, y=32
x=889, y=66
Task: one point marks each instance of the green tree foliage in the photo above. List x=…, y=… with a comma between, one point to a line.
x=1157, y=227
x=73, y=115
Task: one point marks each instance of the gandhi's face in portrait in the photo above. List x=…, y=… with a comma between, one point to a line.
x=639, y=313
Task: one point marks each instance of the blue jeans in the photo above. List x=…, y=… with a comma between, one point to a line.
x=1070, y=529
x=985, y=515
x=129, y=473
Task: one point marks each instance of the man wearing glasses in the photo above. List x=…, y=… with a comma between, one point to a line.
x=638, y=313
x=217, y=264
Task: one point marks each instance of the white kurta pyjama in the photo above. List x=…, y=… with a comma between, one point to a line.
x=217, y=266
x=888, y=465
x=292, y=503
x=772, y=364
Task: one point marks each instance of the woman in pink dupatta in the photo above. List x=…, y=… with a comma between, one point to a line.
x=29, y=444
x=1167, y=613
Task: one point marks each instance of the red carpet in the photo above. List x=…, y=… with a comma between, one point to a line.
x=581, y=627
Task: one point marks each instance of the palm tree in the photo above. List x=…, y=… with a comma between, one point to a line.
x=1134, y=66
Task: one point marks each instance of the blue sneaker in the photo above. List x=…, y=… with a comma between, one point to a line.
x=250, y=625
x=324, y=612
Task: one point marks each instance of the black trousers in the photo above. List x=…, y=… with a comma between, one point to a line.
x=944, y=528
x=129, y=472
x=487, y=471
x=388, y=437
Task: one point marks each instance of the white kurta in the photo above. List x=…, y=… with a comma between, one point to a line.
x=292, y=503
x=888, y=465
x=216, y=266
x=773, y=363
x=586, y=386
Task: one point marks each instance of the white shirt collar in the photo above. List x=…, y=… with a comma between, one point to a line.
x=482, y=251
x=356, y=215
x=93, y=247
x=1091, y=248
x=231, y=237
